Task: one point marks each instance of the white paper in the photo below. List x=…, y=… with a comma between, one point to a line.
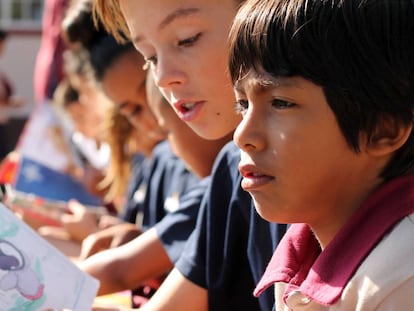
x=36, y=276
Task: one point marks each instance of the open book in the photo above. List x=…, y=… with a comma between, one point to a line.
x=36, y=276
x=40, y=211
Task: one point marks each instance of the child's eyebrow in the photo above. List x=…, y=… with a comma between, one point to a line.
x=177, y=14
x=180, y=13
x=261, y=83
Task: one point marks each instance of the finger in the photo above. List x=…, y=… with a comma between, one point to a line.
x=76, y=207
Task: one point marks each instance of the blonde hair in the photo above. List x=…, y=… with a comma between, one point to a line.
x=109, y=14
x=120, y=136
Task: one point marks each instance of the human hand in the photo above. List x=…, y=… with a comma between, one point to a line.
x=109, y=237
x=106, y=221
x=80, y=222
x=95, y=243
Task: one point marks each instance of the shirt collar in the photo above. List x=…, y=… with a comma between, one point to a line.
x=322, y=276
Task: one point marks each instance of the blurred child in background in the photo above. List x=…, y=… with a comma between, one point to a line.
x=154, y=251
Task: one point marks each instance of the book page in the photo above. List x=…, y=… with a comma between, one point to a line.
x=36, y=276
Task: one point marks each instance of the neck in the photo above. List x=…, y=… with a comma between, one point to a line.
x=203, y=161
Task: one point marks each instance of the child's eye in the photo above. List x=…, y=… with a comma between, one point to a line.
x=241, y=106
x=149, y=61
x=189, y=41
x=281, y=104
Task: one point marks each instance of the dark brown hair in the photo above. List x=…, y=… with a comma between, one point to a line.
x=359, y=51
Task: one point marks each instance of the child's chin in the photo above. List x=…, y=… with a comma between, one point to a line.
x=264, y=210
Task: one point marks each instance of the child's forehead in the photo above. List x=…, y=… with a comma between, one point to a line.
x=261, y=81
x=163, y=14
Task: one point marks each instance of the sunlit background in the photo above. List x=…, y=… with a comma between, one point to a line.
x=22, y=19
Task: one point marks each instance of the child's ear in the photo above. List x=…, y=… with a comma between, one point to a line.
x=388, y=137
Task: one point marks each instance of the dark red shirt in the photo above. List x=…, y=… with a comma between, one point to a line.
x=322, y=276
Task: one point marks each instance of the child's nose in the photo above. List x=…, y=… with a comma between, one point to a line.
x=248, y=135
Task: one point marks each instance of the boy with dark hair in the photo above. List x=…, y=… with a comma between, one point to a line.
x=326, y=91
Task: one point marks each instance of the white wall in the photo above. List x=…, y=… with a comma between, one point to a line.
x=18, y=63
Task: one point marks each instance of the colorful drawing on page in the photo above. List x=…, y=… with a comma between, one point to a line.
x=18, y=278
x=36, y=276
x=19, y=275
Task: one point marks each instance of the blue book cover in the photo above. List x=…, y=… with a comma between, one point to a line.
x=40, y=180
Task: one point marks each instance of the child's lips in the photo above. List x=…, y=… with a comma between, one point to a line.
x=188, y=110
x=253, y=178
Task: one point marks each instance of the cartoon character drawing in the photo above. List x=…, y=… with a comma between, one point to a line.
x=18, y=275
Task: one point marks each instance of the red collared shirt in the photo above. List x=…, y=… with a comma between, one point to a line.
x=322, y=276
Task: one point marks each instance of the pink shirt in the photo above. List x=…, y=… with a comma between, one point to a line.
x=321, y=277
x=49, y=63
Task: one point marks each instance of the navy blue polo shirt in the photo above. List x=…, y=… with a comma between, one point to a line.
x=136, y=181
x=168, y=196
x=168, y=180
x=166, y=184
x=175, y=228
x=231, y=245
x=156, y=185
